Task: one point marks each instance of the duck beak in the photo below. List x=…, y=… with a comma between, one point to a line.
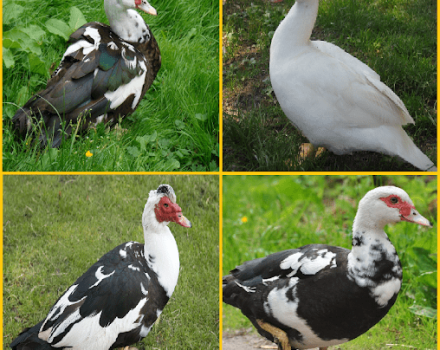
x=146, y=7
x=183, y=221
x=415, y=217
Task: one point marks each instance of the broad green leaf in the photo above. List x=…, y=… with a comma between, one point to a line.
x=35, y=32
x=143, y=140
x=58, y=27
x=8, y=58
x=172, y=164
x=17, y=38
x=49, y=158
x=179, y=124
x=164, y=143
x=37, y=65
x=153, y=136
x=423, y=311
x=10, y=43
x=77, y=19
x=201, y=117
x=134, y=151
x=22, y=96
x=11, y=12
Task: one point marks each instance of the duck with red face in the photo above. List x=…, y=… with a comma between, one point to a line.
x=116, y=302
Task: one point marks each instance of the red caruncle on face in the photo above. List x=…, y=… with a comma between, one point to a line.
x=394, y=201
x=165, y=210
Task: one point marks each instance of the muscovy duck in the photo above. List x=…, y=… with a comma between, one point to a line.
x=116, y=302
x=319, y=295
x=336, y=101
x=102, y=76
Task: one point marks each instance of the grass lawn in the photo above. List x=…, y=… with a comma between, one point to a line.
x=396, y=38
x=176, y=125
x=266, y=214
x=56, y=227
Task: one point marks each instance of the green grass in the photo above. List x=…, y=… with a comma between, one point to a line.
x=175, y=127
x=56, y=227
x=286, y=212
x=396, y=38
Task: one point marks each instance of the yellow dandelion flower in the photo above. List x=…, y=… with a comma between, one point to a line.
x=89, y=154
x=244, y=219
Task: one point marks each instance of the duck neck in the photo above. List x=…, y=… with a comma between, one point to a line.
x=161, y=252
x=296, y=28
x=373, y=259
x=126, y=23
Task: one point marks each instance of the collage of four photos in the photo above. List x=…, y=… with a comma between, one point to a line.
x=219, y=175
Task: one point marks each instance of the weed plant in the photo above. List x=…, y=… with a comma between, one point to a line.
x=395, y=38
x=266, y=214
x=175, y=127
x=56, y=227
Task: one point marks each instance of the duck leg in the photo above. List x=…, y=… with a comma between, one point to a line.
x=307, y=150
x=277, y=333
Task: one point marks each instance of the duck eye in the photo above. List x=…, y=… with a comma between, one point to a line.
x=394, y=200
x=165, y=205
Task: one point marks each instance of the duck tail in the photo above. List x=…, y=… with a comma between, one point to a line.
x=28, y=121
x=28, y=340
x=22, y=121
x=412, y=154
x=231, y=291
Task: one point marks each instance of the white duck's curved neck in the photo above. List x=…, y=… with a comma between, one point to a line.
x=161, y=252
x=296, y=28
x=126, y=23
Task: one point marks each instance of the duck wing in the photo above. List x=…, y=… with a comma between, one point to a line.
x=114, y=304
x=369, y=76
x=321, y=85
x=248, y=284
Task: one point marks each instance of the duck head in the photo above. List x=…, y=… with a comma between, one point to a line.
x=387, y=205
x=161, y=209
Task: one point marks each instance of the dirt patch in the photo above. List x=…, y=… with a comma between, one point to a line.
x=245, y=339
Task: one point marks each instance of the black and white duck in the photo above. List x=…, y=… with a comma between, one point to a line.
x=116, y=302
x=320, y=295
x=102, y=76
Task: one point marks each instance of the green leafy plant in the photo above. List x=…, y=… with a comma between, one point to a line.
x=28, y=39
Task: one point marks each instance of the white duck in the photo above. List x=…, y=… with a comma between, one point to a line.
x=337, y=101
x=320, y=295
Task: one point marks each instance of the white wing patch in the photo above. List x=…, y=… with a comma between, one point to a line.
x=134, y=268
x=285, y=311
x=309, y=265
x=112, y=46
x=100, y=276
x=268, y=280
x=134, y=87
x=129, y=63
x=122, y=252
x=57, y=310
x=247, y=289
x=143, y=290
x=85, y=45
x=88, y=334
